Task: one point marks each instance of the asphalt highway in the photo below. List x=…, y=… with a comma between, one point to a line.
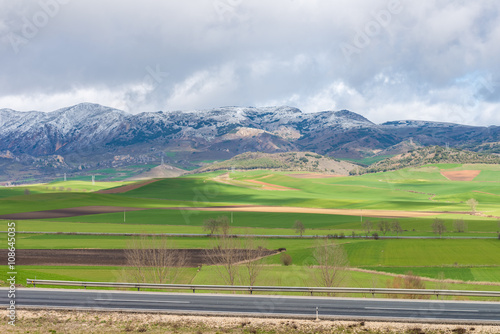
x=346, y=308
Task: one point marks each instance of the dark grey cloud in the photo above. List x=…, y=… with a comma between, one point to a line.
x=385, y=59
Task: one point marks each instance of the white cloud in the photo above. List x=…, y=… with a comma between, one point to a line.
x=422, y=62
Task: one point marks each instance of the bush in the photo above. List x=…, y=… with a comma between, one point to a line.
x=286, y=259
x=375, y=236
x=408, y=281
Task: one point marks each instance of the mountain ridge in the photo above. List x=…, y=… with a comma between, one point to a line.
x=88, y=135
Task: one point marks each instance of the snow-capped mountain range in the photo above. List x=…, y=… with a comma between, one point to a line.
x=90, y=133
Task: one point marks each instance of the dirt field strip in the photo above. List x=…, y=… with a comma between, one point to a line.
x=314, y=176
x=126, y=188
x=460, y=175
x=346, y=212
x=112, y=257
x=270, y=186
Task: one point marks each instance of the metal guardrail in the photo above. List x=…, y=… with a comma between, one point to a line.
x=251, y=289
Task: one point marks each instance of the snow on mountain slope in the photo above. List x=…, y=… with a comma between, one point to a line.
x=89, y=128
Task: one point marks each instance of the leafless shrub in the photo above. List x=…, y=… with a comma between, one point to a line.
x=408, y=281
x=286, y=259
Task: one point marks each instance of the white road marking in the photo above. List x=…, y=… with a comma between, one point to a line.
x=417, y=309
x=144, y=301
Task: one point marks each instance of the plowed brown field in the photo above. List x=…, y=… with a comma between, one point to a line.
x=460, y=175
x=106, y=257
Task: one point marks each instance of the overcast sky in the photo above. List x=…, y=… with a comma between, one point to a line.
x=387, y=60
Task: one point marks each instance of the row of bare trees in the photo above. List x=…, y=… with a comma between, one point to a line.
x=438, y=226
x=157, y=260
x=235, y=260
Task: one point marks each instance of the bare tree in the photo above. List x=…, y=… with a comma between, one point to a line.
x=299, y=227
x=472, y=203
x=438, y=227
x=210, y=225
x=367, y=226
x=332, y=264
x=152, y=260
x=384, y=226
x=396, y=227
x=252, y=256
x=213, y=225
x=459, y=226
x=224, y=256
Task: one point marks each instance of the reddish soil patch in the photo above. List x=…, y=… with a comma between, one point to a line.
x=104, y=257
x=460, y=175
x=269, y=186
x=124, y=189
x=69, y=212
x=313, y=176
x=346, y=212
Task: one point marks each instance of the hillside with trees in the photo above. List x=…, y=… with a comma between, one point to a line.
x=430, y=155
x=286, y=161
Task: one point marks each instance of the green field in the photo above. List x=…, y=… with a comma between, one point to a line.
x=410, y=189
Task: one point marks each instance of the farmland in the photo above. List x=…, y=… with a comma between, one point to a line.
x=267, y=203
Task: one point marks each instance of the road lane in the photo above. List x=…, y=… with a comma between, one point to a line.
x=348, y=308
